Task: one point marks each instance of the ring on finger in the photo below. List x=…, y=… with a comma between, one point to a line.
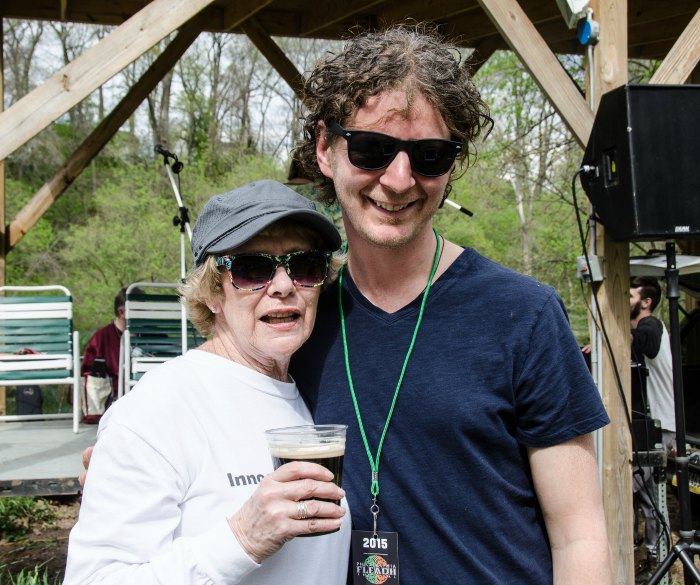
x=302, y=512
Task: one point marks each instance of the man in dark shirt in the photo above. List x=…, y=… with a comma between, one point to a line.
x=652, y=397
x=651, y=346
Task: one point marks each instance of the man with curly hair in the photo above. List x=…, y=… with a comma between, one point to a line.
x=470, y=408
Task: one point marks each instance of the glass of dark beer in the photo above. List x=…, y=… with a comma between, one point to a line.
x=322, y=444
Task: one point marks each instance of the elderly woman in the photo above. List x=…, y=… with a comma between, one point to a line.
x=181, y=487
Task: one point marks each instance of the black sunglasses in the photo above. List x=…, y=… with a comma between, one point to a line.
x=255, y=271
x=371, y=151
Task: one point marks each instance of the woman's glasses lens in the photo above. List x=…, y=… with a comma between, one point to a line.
x=251, y=272
x=308, y=269
x=254, y=271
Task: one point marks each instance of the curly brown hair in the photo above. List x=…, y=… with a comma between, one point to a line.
x=412, y=57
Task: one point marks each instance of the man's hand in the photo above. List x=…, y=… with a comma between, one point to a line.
x=86, y=463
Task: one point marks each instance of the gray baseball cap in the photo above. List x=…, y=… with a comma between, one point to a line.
x=231, y=219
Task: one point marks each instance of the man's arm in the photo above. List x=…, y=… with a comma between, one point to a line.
x=89, y=356
x=646, y=337
x=567, y=485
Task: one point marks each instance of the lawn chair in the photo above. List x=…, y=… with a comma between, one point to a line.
x=38, y=346
x=156, y=330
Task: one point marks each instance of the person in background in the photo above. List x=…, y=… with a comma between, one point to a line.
x=181, y=486
x=469, y=405
x=101, y=355
x=652, y=398
x=651, y=346
x=100, y=365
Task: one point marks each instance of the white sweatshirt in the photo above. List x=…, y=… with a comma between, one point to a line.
x=175, y=458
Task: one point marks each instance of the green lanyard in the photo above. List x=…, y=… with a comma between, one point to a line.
x=374, y=461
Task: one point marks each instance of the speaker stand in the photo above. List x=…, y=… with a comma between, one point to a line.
x=688, y=544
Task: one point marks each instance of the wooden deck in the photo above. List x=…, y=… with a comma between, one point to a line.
x=42, y=458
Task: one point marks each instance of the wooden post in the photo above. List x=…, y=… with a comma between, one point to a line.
x=610, y=71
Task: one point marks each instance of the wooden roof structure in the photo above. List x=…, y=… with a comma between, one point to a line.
x=668, y=30
x=535, y=29
x=652, y=25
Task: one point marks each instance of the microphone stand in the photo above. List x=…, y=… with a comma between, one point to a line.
x=458, y=207
x=182, y=220
x=688, y=544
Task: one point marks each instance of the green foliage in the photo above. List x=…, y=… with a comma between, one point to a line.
x=523, y=179
x=18, y=515
x=122, y=230
x=129, y=238
x=490, y=229
x=34, y=576
x=113, y=226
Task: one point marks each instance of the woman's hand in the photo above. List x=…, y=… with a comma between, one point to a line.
x=87, y=453
x=284, y=506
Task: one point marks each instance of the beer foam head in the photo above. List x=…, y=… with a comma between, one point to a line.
x=286, y=450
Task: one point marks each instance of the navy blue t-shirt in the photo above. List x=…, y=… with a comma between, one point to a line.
x=495, y=369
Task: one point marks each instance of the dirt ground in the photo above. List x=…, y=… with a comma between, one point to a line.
x=46, y=546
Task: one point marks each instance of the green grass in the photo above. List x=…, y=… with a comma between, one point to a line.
x=54, y=400
x=18, y=515
x=35, y=576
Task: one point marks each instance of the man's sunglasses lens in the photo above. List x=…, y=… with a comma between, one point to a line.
x=433, y=157
x=372, y=151
x=255, y=271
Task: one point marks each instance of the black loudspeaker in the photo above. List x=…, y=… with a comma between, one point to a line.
x=644, y=147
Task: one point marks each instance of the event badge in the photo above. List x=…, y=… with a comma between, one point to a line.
x=375, y=557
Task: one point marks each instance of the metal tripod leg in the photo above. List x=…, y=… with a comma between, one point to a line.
x=685, y=552
x=664, y=523
x=688, y=545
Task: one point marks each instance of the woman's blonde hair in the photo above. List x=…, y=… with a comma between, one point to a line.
x=203, y=287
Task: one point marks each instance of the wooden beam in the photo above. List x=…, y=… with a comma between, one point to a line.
x=54, y=187
x=423, y=11
x=523, y=38
x=613, y=297
x=610, y=71
x=477, y=24
x=316, y=20
x=35, y=111
x=235, y=13
x=653, y=12
x=683, y=56
x=276, y=57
